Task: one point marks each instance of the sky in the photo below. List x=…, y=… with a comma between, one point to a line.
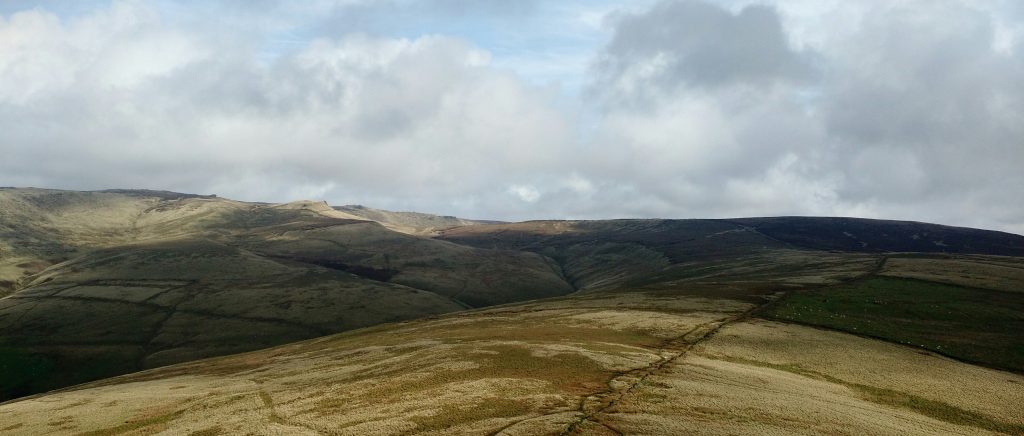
x=895, y=109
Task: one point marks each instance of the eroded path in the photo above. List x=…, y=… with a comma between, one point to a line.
x=594, y=406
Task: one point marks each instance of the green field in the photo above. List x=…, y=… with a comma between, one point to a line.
x=966, y=323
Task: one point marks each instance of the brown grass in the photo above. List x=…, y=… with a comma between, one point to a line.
x=136, y=424
x=928, y=407
x=530, y=368
x=212, y=431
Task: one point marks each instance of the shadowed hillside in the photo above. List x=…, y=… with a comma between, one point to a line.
x=607, y=254
x=865, y=235
x=106, y=283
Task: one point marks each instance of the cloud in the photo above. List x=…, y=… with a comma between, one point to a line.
x=925, y=108
x=525, y=193
x=702, y=110
x=906, y=110
x=717, y=110
x=387, y=119
x=698, y=44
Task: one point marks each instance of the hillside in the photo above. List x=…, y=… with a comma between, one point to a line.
x=360, y=321
x=106, y=283
x=607, y=254
x=414, y=223
x=865, y=235
x=695, y=355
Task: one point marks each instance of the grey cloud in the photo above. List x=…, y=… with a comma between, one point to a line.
x=695, y=110
x=362, y=117
x=940, y=98
x=700, y=103
x=693, y=43
x=912, y=81
x=912, y=114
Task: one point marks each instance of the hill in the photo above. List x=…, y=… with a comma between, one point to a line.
x=703, y=355
x=866, y=235
x=414, y=223
x=748, y=325
x=608, y=254
x=106, y=283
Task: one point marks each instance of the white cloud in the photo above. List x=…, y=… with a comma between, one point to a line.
x=525, y=193
x=892, y=113
x=359, y=118
x=910, y=109
x=579, y=184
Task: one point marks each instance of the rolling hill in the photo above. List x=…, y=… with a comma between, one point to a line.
x=350, y=320
x=106, y=283
x=696, y=355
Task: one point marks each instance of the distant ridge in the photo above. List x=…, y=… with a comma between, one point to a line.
x=163, y=195
x=873, y=235
x=410, y=222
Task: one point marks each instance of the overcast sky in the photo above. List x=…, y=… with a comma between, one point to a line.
x=528, y=110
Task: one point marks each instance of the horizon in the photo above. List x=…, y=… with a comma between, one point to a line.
x=529, y=110
x=499, y=220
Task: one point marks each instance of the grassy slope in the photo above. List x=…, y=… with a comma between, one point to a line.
x=972, y=324
x=408, y=222
x=602, y=255
x=661, y=263
x=997, y=273
x=113, y=282
x=122, y=310
x=641, y=363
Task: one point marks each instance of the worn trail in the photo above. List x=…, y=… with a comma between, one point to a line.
x=593, y=406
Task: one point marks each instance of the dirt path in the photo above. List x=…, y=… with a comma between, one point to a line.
x=627, y=382
x=592, y=406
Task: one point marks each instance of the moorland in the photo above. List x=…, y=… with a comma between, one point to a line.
x=143, y=312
